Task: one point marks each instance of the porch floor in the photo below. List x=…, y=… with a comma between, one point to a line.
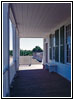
x=39, y=83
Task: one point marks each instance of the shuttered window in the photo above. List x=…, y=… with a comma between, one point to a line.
x=51, y=53
x=53, y=47
x=57, y=45
x=50, y=46
x=68, y=42
x=46, y=52
x=62, y=44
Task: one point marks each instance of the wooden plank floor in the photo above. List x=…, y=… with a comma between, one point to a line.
x=39, y=83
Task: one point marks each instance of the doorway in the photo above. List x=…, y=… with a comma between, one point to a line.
x=46, y=52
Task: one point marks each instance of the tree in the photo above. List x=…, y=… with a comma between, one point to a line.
x=25, y=53
x=37, y=49
x=11, y=52
x=21, y=52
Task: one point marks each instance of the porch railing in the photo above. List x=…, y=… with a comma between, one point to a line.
x=27, y=60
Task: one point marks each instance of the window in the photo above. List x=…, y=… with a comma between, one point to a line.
x=62, y=44
x=46, y=52
x=57, y=45
x=68, y=42
x=52, y=46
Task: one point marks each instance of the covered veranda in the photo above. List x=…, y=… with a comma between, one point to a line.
x=32, y=20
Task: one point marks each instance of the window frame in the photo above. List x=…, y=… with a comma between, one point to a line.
x=62, y=44
x=57, y=45
x=65, y=46
x=51, y=47
x=66, y=43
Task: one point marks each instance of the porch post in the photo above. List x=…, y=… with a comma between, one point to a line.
x=17, y=50
x=6, y=69
x=14, y=46
x=44, y=51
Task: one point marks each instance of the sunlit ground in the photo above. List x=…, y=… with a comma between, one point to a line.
x=32, y=67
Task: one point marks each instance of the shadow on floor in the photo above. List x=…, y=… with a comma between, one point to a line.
x=39, y=83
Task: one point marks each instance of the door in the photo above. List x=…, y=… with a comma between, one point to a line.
x=46, y=52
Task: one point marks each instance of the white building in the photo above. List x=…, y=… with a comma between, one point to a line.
x=38, y=56
x=57, y=49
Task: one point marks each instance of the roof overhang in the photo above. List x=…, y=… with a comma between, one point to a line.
x=35, y=20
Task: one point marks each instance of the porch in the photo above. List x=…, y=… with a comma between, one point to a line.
x=52, y=22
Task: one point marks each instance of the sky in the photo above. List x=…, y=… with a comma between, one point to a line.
x=11, y=36
x=26, y=43
x=30, y=43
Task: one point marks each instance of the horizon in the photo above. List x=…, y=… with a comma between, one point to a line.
x=27, y=43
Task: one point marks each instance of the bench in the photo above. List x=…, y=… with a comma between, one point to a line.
x=53, y=68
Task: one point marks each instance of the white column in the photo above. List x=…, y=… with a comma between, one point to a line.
x=15, y=48
x=43, y=52
x=6, y=74
x=14, y=45
x=17, y=51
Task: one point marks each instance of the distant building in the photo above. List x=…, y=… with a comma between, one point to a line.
x=38, y=56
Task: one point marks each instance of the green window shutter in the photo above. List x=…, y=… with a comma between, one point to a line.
x=62, y=35
x=57, y=54
x=50, y=40
x=57, y=45
x=51, y=46
x=62, y=54
x=51, y=53
x=62, y=44
x=57, y=37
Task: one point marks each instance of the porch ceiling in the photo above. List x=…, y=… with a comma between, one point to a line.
x=37, y=19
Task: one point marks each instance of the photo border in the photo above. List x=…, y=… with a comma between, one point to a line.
x=71, y=50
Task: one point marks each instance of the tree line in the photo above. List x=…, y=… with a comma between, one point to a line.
x=27, y=52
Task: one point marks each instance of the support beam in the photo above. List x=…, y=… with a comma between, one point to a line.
x=14, y=45
x=6, y=70
x=43, y=52
x=12, y=17
x=15, y=48
x=17, y=51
